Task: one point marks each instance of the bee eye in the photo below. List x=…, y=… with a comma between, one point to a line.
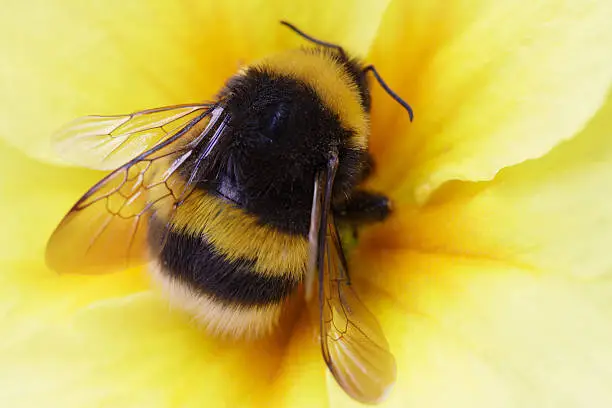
x=274, y=119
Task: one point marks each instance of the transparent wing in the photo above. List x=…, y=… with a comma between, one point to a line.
x=353, y=344
x=107, y=142
x=109, y=228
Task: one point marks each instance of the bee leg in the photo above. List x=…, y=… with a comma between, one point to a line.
x=364, y=207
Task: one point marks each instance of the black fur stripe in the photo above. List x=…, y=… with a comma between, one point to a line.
x=195, y=262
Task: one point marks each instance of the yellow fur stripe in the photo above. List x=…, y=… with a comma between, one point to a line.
x=218, y=318
x=331, y=82
x=238, y=235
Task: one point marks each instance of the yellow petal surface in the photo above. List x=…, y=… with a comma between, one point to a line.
x=492, y=83
x=32, y=297
x=134, y=351
x=552, y=213
x=478, y=333
x=66, y=58
x=35, y=196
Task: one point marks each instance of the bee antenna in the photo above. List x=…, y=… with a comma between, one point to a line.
x=371, y=68
x=312, y=39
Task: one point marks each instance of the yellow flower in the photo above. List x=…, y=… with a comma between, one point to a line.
x=491, y=279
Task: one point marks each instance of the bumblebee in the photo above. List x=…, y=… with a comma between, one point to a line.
x=234, y=204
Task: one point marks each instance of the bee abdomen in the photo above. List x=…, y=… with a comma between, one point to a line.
x=228, y=296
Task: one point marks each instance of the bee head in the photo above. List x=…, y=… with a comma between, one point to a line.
x=281, y=124
x=283, y=129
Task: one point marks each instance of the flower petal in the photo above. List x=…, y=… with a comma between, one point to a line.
x=35, y=198
x=136, y=352
x=552, y=213
x=67, y=58
x=477, y=333
x=301, y=377
x=492, y=84
x=31, y=296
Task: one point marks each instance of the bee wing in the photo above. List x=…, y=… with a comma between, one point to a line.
x=353, y=344
x=108, y=228
x=107, y=142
